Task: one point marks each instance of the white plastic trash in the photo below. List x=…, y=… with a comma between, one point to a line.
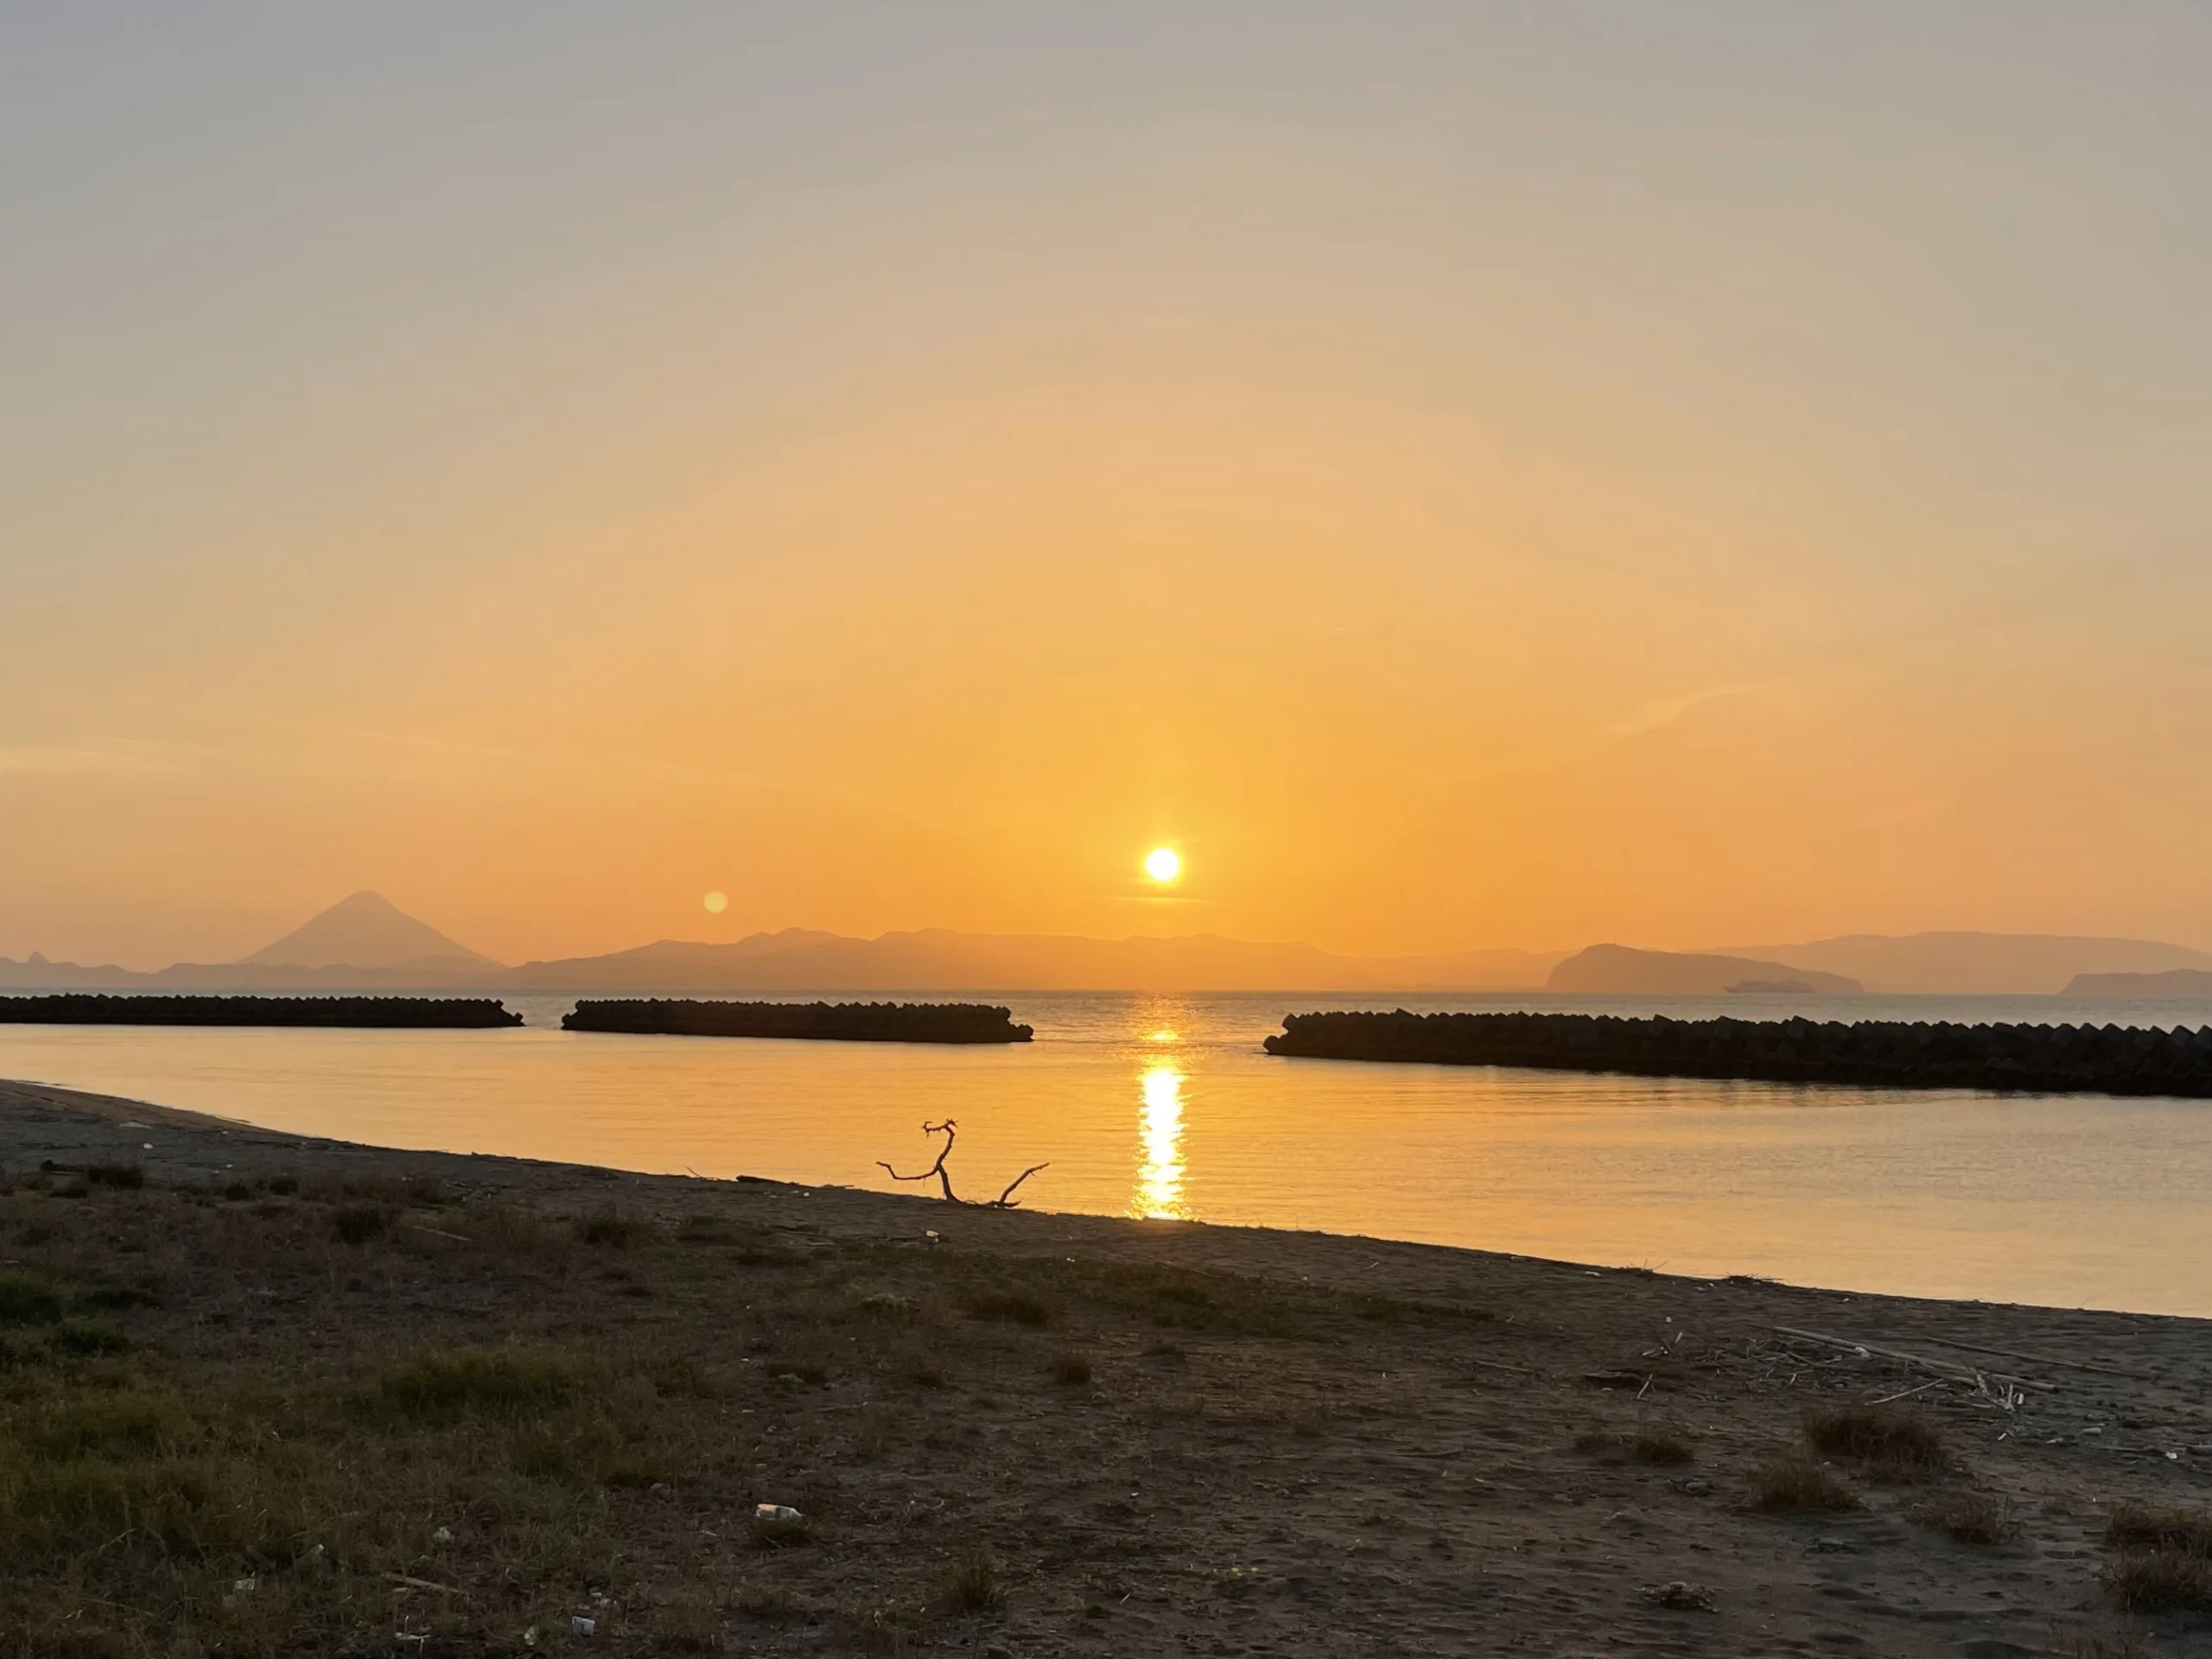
x=581, y=1625
x=774, y=1512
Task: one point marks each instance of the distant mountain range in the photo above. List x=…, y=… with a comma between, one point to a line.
x=366, y=943
x=938, y=959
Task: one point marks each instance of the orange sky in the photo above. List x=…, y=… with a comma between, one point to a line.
x=1464, y=482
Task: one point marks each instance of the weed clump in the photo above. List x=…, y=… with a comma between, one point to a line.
x=130, y=1424
x=768, y=1601
x=358, y=1223
x=1653, y=1446
x=1008, y=1307
x=87, y=1339
x=971, y=1584
x=611, y=1228
x=925, y=1373
x=2164, y=1562
x=780, y=1531
x=2136, y=1525
x=1893, y=1445
x=1795, y=1485
x=444, y=1385
x=116, y=1174
x=26, y=1301
x=1966, y=1517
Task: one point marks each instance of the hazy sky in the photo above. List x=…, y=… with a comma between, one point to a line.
x=1466, y=474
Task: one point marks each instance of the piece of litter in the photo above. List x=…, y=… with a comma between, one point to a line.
x=443, y=1535
x=581, y=1625
x=245, y=1586
x=145, y=1146
x=774, y=1512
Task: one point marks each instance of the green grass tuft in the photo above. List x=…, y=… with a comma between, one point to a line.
x=445, y=1384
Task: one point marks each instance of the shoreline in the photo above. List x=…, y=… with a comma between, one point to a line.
x=543, y=1177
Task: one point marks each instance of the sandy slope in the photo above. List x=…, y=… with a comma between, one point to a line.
x=1394, y=1470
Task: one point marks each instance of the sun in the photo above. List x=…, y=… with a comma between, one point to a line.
x=1163, y=864
x=718, y=902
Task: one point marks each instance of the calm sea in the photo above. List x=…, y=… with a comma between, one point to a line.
x=1165, y=1106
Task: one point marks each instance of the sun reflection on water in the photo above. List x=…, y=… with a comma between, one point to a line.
x=1159, y=1130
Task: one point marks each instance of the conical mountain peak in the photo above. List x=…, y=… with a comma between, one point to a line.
x=364, y=931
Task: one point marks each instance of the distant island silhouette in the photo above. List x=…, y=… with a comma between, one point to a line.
x=1615, y=970
x=2176, y=984
x=364, y=942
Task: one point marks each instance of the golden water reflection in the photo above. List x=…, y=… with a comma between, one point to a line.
x=1159, y=1132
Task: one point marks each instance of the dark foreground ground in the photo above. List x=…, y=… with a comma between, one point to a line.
x=263, y=1396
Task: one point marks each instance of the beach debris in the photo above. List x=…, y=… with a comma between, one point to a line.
x=409, y=1581
x=443, y=1535
x=1677, y=1593
x=2008, y=1397
x=949, y=1129
x=776, y=1512
x=579, y=1625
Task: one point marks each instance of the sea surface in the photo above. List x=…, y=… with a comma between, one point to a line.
x=1166, y=1107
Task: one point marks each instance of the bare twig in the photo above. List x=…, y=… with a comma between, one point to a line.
x=949, y=1130
x=1006, y=1199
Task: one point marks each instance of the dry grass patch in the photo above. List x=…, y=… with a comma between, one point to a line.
x=611, y=1229
x=25, y=1300
x=1653, y=1446
x=1891, y=1445
x=971, y=1585
x=1966, y=1517
x=445, y=1384
x=1797, y=1485
x=358, y=1223
x=2164, y=1562
x=780, y=1531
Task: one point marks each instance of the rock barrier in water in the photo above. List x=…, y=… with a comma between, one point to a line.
x=1871, y=1053
x=830, y=1022
x=439, y=1013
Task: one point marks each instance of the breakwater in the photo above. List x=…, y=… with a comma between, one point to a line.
x=377, y=1012
x=830, y=1022
x=1883, y=1054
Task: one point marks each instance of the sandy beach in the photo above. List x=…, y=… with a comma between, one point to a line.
x=408, y=1402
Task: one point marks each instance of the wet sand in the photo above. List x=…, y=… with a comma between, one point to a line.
x=1278, y=1442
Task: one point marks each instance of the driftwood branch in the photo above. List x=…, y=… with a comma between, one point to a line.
x=1006, y=1199
x=950, y=1130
